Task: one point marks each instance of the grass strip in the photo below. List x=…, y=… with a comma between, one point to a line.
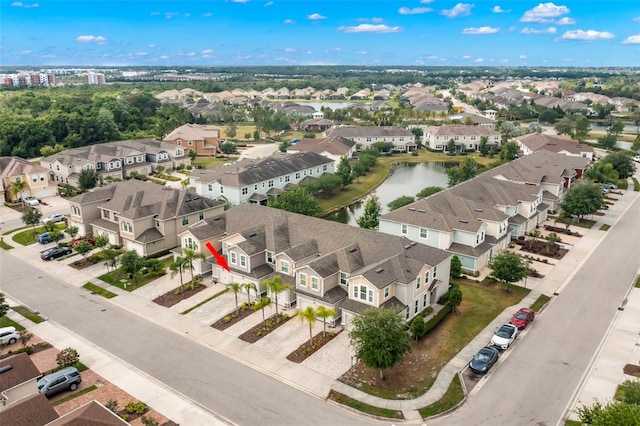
x=450, y=399
x=6, y=322
x=605, y=227
x=365, y=408
x=638, y=283
x=75, y=395
x=540, y=302
x=31, y=316
x=99, y=290
x=207, y=300
x=4, y=245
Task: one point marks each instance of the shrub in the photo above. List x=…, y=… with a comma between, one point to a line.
x=433, y=322
x=136, y=407
x=112, y=405
x=149, y=421
x=67, y=357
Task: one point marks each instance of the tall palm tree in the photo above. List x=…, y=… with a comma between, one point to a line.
x=235, y=288
x=309, y=316
x=189, y=256
x=248, y=287
x=262, y=303
x=324, y=313
x=16, y=189
x=276, y=286
x=177, y=267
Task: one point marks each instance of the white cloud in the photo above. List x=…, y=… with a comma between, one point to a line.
x=289, y=50
x=91, y=39
x=26, y=6
x=550, y=30
x=426, y=1
x=239, y=1
x=360, y=52
x=151, y=46
x=208, y=15
x=269, y=3
x=315, y=17
x=187, y=14
x=478, y=60
x=289, y=21
x=26, y=52
x=636, y=19
x=191, y=54
x=460, y=9
x=377, y=20
x=49, y=56
x=206, y=52
x=432, y=57
x=634, y=39
x=164, y=57
x=566, y=21
x=544, y=12
x=370, y=28
x=522, y=56
x=154, y=13
x=414, y=11
x=141, y=53
x=170, y=15
x=480, y=30
x=498, y=9
x=243, y=57
x=587, y=35
x=466, y=57
x=504, y=61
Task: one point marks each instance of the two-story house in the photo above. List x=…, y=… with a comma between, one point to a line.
x=533, y=142
x=334, y=148
x=253, y=181
x=140, y=216
x=115, y=159
x=202, y=139
x=37, y=179
x=338, y=266
x=465, y=138
x=475, y=219
x=403, y=140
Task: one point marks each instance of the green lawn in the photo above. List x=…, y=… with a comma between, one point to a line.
x=450, y=399
x=6, y=322
x=540, y=302
x=365, y=408
x=75, y=395
x=119, y=279
x=99, y=290
x=4, y=245
x=210, y=162
x=33, y=317
x=207, y=300
x=28, y=236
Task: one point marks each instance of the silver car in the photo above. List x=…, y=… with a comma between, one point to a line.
x=64, y=379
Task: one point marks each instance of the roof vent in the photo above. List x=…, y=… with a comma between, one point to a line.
x=253, y=234
x=478, y=210
x=412, y=209
x=412, y=243
x=407, y=246
x=464, y=221
x=421, y=210
x=6, y=368
x=353, y=250
x=379, y=270
x=216, y=218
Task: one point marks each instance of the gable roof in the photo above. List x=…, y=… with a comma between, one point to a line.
x=21, y=370
x=366, y=131
x=90, y=414
x=193, y=131
x=28, y=411
x=249, y=171
x=16, y=166
x=335, y=145
x=461, y=130
x=553, y=143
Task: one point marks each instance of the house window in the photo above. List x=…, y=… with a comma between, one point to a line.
x=269, y=257
x=424, y=300
x=116, y=218
x=189, y=243
x=243, y=261
x=435, y=271
x=343, y=278
x=287, y=178
x=426, y=277
x=221, y=189
x=415, y=307
x=403, y=229
x=190, y=143
x=386, y=292
x=210, y=187
x=303, y=280
x=185, y=220
x=314, y=283
x=417, y=283
x=284, y=266
x=298, y=175
x=271, y=183
x=105, y=214
x=355, y=292
x=408, y=313
x=370, y=296
x=200, y=215
x=423, y=233
x=127, y=227
x=34, y=178
x=363, y=292
x=233, y=257
x=245, y=191
x=263, y=184
x=75, y=210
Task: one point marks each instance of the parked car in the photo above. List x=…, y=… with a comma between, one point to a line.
x=604, y=190
x=609, y=185
x=636, y=158
x=522, y=318
x=67, y=378
x=8, y=335
x=56, y=217
x=31, y=201
x=484, y=359
x=504, y=336
x=77, y=241
x=54, y=253
x=45, y=237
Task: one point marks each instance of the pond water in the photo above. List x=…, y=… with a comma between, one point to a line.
x=405, y=179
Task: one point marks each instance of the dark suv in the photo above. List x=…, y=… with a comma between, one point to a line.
x=54, y=253
x=67, y=378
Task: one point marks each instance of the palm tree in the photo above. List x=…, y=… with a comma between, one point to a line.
x=552, y=239
x=262, y=303
x=177, y=266
x=110, y=257
x=309, y=316
x=235, y=288
x=324, y=313
x=189, y=256
x=16, y=189
x=276, y=286
x=248, y=287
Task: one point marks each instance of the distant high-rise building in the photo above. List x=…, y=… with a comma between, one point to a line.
x=94, y=78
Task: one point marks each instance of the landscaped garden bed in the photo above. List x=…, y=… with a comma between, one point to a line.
x=231, y=318
x=542, y=248
x=267, y=326
x=632, y=370
x=304, y=351
x=174, y=296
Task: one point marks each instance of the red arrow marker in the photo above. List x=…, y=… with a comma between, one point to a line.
x=219, y=259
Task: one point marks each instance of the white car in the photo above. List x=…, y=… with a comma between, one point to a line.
x=504, y=336
x=8, y=335
x=31, y=201
x=56, y=217
x=636, y=158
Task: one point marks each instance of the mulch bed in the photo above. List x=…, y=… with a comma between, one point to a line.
x=231, y=318
x=632, y=370
x=304, y=351
x=170, y=298
x=540, y=247
x=84, y=263
x=38, y=347
x=259, y=331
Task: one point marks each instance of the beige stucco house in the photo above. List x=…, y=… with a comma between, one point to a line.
x=37, y=179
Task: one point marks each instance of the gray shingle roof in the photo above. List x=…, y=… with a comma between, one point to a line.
x=16, y=166
x=28, y=411
x=333, y=145
x=364, y=131
x=23, y=369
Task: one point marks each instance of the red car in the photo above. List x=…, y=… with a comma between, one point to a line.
x=522, y=318
x=91, y=241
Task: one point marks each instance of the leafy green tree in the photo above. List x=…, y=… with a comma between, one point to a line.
x=262, y=303
x=622, y=163
x=508, y=267
x=629, y=392
x=455, y=299
x=379, y=338
x=4, y=306
x=508, y=130
x=565, y=126
x=384, y=147
x=418, y=133
x=248, y=287
x=483, y=148
x=232, y=130
x=283, y=146
x=110, y=257
x=73, y=231
x=602, y=172
x=418, y=327
x=325, y=184
x=429, y=190
x=371, y=215
x=344, y=171
x=32, y=217
x=400, y=202
x=607, y=142
x=83, y=248
x=582, y=199
x=465, y=171
x=309, y=316
x=101, y=241
x=235, y=289
x=299, y=200
x=456, y=267
x=509, y=151
x=532, y=128
x=582, y=128
x=228, y=148
x=275, y=287
x=451, y=147
x=17, y=188
x=616, y=128
x=48, y=150
x=131, y=262
x=551, y=239
x=177, y=267
x=323, y=313
x=610, y=414
x=87, y=179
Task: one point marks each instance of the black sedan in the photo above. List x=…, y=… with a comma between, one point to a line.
x=484, y=359
x=54, y=253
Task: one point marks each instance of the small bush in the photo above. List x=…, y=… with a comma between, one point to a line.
x=112, y=405
x=136, y=407
x=67, y=356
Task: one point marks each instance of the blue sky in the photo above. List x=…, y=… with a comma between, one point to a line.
x=328, y=32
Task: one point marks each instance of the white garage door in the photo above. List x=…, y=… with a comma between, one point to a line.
x=45, y=192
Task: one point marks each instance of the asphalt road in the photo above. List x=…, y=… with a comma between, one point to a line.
x=536, y=381
x=225, y=387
